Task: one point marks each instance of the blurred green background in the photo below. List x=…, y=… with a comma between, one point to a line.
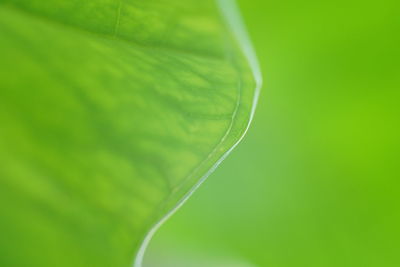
x=316, y=180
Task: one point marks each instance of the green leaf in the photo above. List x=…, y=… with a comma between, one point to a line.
x=112, y=112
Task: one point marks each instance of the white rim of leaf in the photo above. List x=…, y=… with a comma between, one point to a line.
x=230, y=12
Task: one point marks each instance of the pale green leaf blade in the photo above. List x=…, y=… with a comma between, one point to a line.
x=111, y=113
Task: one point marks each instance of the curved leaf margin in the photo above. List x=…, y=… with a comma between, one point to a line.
x=230, y=11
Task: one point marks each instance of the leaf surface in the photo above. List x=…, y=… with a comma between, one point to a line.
x=112, y=113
